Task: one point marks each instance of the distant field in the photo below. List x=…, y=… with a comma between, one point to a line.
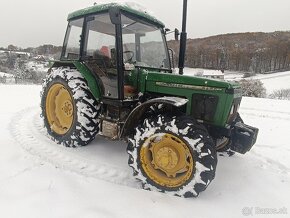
x=273, y=81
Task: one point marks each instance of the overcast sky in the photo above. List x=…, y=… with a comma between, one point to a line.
x=35, y=22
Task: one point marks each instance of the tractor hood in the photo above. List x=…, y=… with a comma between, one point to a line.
x=188, y=82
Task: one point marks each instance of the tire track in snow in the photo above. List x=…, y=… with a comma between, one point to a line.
x=283, y=168
x=272, y=76
x=265, y=110
x=26, y=128
x=271, y=147
x=270, y=114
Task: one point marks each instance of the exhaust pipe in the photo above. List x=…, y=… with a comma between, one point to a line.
x=183, y=38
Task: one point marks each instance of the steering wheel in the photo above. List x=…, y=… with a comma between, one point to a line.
x=129, y=55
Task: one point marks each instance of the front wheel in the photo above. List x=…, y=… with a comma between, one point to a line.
x=172, y=155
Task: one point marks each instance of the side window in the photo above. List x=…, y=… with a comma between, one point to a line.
x=129, y=48
x=99, y=42
x=100, y=52
x=73, y=38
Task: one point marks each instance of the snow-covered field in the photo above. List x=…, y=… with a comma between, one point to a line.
x=272, y=82
x=37, y=66
x=40, y=179
x=275, y=81
x=5, y=74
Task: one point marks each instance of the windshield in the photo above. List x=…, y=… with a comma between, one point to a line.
x=144, y=44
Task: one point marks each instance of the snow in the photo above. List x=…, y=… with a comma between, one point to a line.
x=275, y=81
x=16, y=52
x=138, y=7
x=134, y=6
x=178, y=102
x=200, y=71
x=6, y=74
x=37, y=66
x=39, y=178
x=271, y=81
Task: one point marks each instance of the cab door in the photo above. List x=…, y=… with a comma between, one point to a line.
x=99, y=52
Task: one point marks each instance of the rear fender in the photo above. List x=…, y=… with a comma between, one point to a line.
x=135, y=116
x=93, y=81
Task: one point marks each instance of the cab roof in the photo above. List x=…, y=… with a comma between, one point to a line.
x=127, y=7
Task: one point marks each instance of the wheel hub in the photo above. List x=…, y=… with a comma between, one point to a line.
x=167, y=160
x=67, y=108
x=59, y=109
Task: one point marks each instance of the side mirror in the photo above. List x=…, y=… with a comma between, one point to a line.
x=176, y=34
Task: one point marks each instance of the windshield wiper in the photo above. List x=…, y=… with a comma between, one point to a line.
x=130, y=24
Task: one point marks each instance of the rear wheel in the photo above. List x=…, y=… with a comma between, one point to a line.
x=69, y=110
x=172, y=155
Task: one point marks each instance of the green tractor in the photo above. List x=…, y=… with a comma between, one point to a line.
x=115, y=79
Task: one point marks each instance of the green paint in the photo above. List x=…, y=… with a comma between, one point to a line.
x=182, y=86
x=170, y=84
x=162, y=83
x=186, y=86
x=91, y=80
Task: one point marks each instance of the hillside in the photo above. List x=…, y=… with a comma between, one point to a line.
x=272, y=82
x=250, y=52
x=255, y=52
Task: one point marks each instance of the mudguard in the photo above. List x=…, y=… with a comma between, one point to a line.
x=94, y=83
x=134, y=117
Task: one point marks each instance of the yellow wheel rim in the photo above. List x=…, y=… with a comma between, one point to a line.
x=167, y=160
x=59, y=109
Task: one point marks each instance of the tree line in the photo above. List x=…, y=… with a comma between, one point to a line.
x=255, y=52
x=46, y=50
x=249, y=52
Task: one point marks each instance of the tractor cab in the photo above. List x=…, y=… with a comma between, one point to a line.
x=113, y=40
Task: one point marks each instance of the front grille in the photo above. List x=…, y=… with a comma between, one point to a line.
x=204, y=106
